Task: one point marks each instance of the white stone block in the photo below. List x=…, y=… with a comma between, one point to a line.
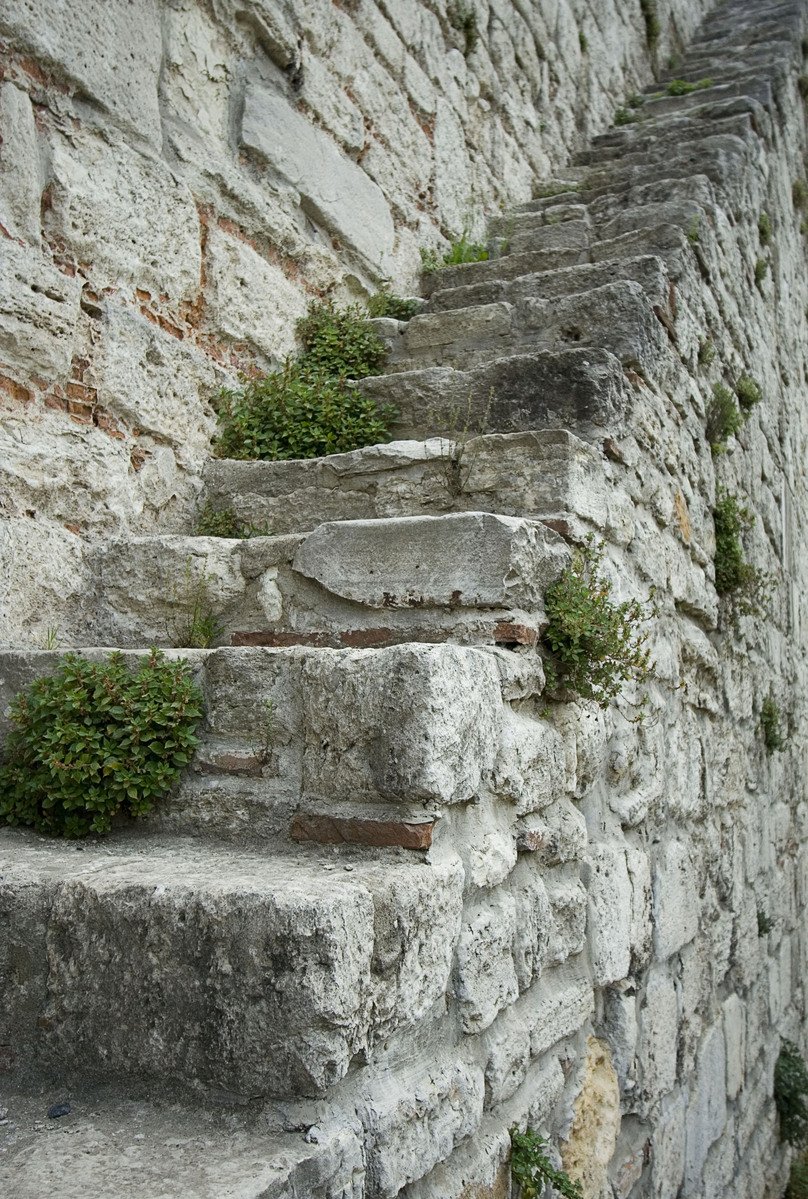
x=486, y=979
x=676, y=899
x=609, y=925
x=20, y=170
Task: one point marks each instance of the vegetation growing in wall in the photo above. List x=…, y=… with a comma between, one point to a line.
x=681, y=87
x=764, y=228
x=532, y=1170
x=761, y=268
x=594, y=644
x=464, y=19
x=96, y=739
x=653, y=28
x=625, y=116
x=693, y=230
x=798, y=1179
x=707, y=352
x=724, y=417
x=384, y=303
x=747, y=389
x=223, y=522
x=734, y=576
x=309, y=407
x=764, y=922
x=799, y=194
x=771, y=725
x=791, y=1094
x=461, y=251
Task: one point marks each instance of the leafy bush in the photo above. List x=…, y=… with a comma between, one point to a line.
x=653, y=27
x=761, y=268
x=734, y=576
x=724, y=418
x=532, y=1170
x=707, y=352
x=223, y=522
x=96, y=739
x=799, y=194
x=680, y=87
x=798, y=1179
x=384, y=303
x=625, y=116
x=748, y=392
x=595, y=645
x=461, y=251
x=790, y=1091
x=764, y=922
x=764, y=228
x=771, y=724
x=308, y=408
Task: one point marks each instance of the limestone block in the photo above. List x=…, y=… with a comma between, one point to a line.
x=668, y=1149
x=568, y=899
x=658, y=1036
x=560, y=1003
x=43, y=582
x=411, y=722
x=676, y=899
x=534, y=922
x=471, y=559
x=508, y=1056
x=414, y=1124
x=610, y=892
x=452, y=175
x=20, y=172
x=589, y=1149
x=157, y=383
x=310, y=161
x=707, y=1112
x=39, y=313
x=486, y=979
x=639, y=869
x=556, y=836
x=82, y=43
x=529, y=770
x=250, y=299
x=479, y=324
x=621, y=1024
x=128, y=217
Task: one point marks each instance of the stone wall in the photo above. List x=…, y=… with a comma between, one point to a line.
x=179, y=179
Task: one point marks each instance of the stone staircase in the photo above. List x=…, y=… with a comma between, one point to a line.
x=370, y=931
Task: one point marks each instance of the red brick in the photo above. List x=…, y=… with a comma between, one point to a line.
x=348, y=830
x=509, y=633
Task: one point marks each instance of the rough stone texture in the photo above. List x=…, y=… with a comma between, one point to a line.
x=485, y=878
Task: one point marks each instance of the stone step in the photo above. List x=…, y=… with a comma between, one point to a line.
x=109, y=1145
x=408, y=578
x=615, y=316
x=550, y=476
x=508, y=266
x=685, y=136
x=529, y=232
x=205, y=970
x=584, y=390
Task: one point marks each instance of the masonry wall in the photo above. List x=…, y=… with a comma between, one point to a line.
x=179, y=179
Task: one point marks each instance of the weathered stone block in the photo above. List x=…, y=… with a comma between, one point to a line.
x=658, y=1036
x=609, y=889
x=676, y=900
x=311, y=162
x=707, y=1112
x=39, y=313
x=486, y=979
x=471, y=559
x=405, y=723
x=20, y=171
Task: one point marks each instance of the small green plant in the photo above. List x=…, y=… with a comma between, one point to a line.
x=771, y=724
x=198, y=626
x=532, y=1170
x=384, y=303
x=765, y=228
x=681, y=87
x=724, y=418
x=799, y=194
x=223, y=522
x=50, y=638
x=462, y=426
x=802, y=84
x=594, y=645
x=707, y=352
x=583, y=41
x=748, y=392
x=693, y=231
x=790, y=1093
x=765, y=923
x=546, y=191
x=461, y=251
x=798, y=1179
x=625, y=116
x=653, y=27
x=309, y=407
x=96, y=739
x=635, y=100
x=745, y=584
x=761, y=267
x=464, y=20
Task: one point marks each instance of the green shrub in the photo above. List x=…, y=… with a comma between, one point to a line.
x=308, y=407
x=293, y=414
x=625, y=116
x=680, y=87
x=765, y=923
x=594, y=644
x=734, y=576
x=724, y=417
x=748, y=392
x=223, y=522
x=799, y=194
x=761, y=267
x=790, y=1091
x=764, y=228
x=384, y=303
x=798, y=1179
x=653, y=27
x=772, y=725
x=707, y=352
x=583, y=41
x=532, y=1170
x=96, y=739
x=461, y=251
x=693, y=230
